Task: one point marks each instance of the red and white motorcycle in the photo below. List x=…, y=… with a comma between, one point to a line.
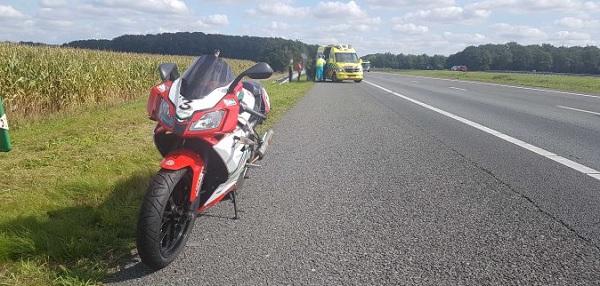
x=206, y=134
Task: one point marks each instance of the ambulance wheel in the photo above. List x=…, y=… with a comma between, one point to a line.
x=334, y=78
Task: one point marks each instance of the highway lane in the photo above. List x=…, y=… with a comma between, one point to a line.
x=531, y=116
x=362, y=187
x=567, y=124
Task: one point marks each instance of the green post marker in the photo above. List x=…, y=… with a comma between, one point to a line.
x=4, y=138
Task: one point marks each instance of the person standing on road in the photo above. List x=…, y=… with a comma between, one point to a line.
x=290, y=70
x=320, y=64
x=299, y=70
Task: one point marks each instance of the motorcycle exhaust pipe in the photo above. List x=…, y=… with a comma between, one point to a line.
x=266, y=141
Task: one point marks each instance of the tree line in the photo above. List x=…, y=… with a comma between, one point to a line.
x=510, y=56
x=275, y=51
x=278, y=52
x=402, y=61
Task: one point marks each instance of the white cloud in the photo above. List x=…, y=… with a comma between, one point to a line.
x=518, y=32
x=279, y=25
x=576, y=36
x=536, y=5
x=480, y=13
x=592, y=6
x=212, y=21
x=524, y=4
x=338, y=28
x=446, y=14
x=335, y=13
x=53, y=3
x=570, y=38
x=410, y=28
x=58, y=23
x=452, y=12
x=8, y=12
x=396, y=4
x=281, y=9
x=577, y=23
x=571, y=22
x=339, y=9
x=366, y=21
x=465, y=38
x=152, y=6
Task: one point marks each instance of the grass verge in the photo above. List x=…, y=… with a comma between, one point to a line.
x=583, y=84
x=71, y=188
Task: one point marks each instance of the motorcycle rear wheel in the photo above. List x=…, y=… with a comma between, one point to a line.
x=164, y=222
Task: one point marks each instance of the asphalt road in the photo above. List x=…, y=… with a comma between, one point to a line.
x=364, y=187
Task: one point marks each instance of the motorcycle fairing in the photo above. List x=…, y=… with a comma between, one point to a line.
x=180, y=159
x=230, y=150
x=228, y=186
x=185, y=108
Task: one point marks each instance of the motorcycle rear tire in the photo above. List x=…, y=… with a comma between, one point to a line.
x=151, y=233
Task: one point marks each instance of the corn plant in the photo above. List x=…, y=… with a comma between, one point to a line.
x=42, y=80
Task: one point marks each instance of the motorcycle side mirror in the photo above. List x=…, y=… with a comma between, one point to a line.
x=257, y=71
x=168, y=72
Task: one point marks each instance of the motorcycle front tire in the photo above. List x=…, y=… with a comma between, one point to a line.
x=157, y=244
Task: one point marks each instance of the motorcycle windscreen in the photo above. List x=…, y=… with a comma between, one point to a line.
x=205, y=75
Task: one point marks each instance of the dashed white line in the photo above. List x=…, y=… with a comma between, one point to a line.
x=577, y=109
x=414, y=81
x=540, y=151
x=497, y=84
x=457, y=88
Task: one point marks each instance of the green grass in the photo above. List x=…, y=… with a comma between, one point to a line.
x=71, y=188
x=584, y=84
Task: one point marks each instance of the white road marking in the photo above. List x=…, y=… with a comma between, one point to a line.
x=414, y=81
x=497, y=84
x=457, y=88
x=540, y=151
x=577, y=109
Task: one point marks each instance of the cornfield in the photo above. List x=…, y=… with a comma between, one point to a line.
x=42, y=80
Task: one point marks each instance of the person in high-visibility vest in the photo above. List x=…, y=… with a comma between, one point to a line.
x=4, y=138
x=319, y=65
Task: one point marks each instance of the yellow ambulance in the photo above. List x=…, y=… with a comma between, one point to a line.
x=342, y=63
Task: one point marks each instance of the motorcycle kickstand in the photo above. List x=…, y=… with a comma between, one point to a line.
x=235, y=216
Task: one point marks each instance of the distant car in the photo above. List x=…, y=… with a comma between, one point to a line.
x=366, y=65
x=459, y=68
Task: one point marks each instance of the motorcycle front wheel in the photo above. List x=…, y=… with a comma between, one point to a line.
x=164, y=222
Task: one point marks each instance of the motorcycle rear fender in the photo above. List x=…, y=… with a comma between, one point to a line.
x=181, y=159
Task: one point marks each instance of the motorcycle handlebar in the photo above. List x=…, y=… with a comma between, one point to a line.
x=251, y=111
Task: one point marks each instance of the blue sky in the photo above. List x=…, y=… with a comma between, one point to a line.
x=433, y=27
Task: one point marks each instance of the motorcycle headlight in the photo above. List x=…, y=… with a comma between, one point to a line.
x=164, y=114
x=208, y=121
